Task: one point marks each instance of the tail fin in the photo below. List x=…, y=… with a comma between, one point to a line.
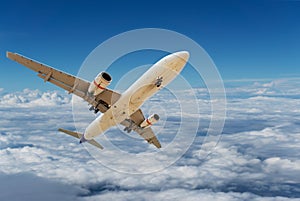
x=79, y=135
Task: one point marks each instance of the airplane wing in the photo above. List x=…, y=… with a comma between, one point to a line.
x=68, y=82
x=147, y=133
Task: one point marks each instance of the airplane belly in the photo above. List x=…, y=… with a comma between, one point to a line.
x=145, y=87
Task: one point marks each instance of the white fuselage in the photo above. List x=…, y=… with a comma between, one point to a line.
x=132, y=99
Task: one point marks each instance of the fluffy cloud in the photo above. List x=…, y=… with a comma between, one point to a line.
x=28, y=98
x=280, y=87
x=256, y=159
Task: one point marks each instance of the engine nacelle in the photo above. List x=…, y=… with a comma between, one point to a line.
x=102, y=80
x=149, y=121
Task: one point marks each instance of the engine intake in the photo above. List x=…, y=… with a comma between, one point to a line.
x=101, y=81
x=149, y=121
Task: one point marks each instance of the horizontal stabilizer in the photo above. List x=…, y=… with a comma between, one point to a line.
x=79, y=135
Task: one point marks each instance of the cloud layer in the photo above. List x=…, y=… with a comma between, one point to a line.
x=256, y=159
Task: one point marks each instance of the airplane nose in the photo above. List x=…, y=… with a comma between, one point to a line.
x=177, y=60
x=183, y=55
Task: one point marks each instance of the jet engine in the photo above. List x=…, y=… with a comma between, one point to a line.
x=102, y=80
x=149, y=121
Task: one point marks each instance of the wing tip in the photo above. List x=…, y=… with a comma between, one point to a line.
x=9, y=54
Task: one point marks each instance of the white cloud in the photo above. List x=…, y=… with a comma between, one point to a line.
x=33, y=98
x=181, y=194
x=256, y=159
x=280, y=87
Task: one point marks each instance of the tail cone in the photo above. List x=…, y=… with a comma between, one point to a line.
x=82, y=139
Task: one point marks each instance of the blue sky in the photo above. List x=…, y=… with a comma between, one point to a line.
x=246, y=39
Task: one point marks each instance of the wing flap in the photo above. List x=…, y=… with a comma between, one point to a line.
x=137, y=117
x=73, y=89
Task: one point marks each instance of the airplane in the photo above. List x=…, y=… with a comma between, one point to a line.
x=116, y=108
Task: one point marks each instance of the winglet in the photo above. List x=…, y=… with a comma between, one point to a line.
x=79, y=135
